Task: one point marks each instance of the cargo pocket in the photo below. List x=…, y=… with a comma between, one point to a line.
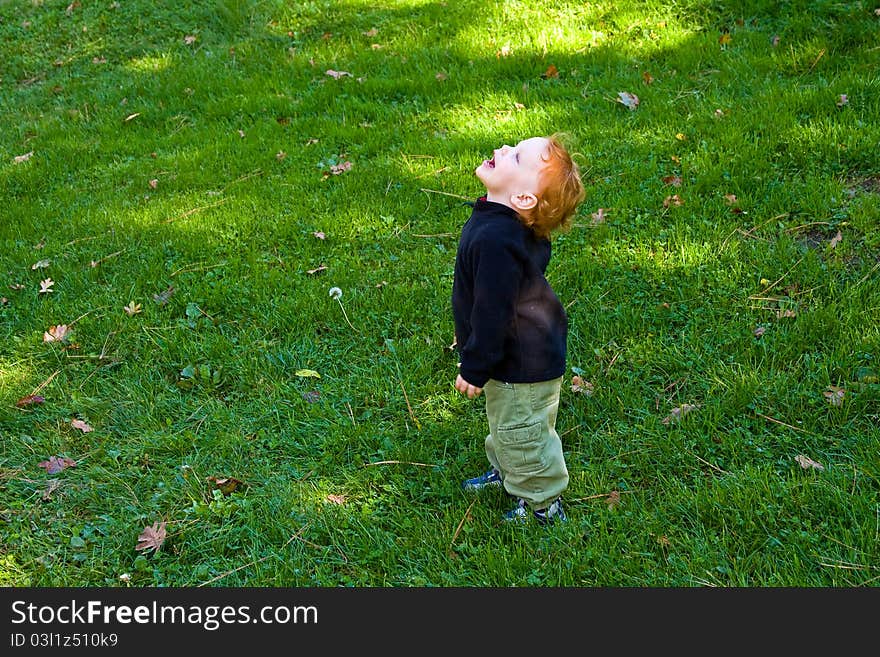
x=520, y=450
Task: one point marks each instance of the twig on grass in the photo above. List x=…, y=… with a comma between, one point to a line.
x=767, y=417
x=467, y=514
x=411, y=414
x=424, y=465
x=194, y=210
x=255, y=561
x=434, y=191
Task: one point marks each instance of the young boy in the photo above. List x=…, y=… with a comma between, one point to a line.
x=510, y=327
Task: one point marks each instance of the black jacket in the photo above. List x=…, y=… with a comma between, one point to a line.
x=509, y=324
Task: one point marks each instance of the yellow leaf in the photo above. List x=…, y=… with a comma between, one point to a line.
x=312, y=373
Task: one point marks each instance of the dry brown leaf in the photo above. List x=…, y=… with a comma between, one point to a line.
x=371, y=32
x=152, y=538
x=784, y=313
x=154, y=183
x=316, y=269
x=82, y=426
x=57, y=333
x=336, y=499
x=647, y=78
x=132, y=308
x=342, y=167
x=337, y=74
x=598, y=217
x=41, y=264
x=56, y=464
x=30, y=400
x=834, y=395
x=18, y=159
x=613, y=499
x=580, y=386
x=46, y=285
x=835, y=240
x=807, y=463
x=627, y=99
x=551, y=72
x=226, y=485
x=189, y=39
x=675, y=200
x=679, y=412
x=675, y=181
x=725, y=38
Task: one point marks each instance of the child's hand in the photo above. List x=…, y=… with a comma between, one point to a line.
x=466, y=388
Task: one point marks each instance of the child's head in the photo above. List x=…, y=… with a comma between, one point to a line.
x=538, y=179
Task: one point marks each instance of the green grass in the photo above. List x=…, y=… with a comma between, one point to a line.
x=239, y=127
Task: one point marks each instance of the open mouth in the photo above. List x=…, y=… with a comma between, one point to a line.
x=491, y=163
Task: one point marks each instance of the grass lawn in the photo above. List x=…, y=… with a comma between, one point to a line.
x=182, y=184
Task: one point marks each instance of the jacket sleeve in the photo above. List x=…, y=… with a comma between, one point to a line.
x=498, y=269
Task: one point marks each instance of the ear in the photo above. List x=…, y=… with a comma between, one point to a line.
x=524, y=201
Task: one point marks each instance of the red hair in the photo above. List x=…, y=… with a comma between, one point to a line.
x=560, y=192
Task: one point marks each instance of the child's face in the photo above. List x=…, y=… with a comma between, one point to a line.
x=511, y=176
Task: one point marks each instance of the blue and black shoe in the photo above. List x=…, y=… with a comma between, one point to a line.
x=546, y=516
x=491, y=478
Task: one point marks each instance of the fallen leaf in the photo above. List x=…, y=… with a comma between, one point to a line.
x=647, y=78
x=82, y=426
x=46, y=286
x=154, y=183
x=132, y=308
x=835, y=395
x=56, y=464
x=842, y=100
x=787, y=312
x=336, y=499
x=342, y=167
x=504, y=51
x=337, y=74
x=758, y=332
x=807, y=463
x=371, y=32
x=551, y=72
x=226, y=485
x=613, y=499
x=627, y=99
x=725, y=38
x=308, y=373
x=320, y=235
x=162, y=297
x=598, y=217
x=30, y=400
x=41, y=264
x=152, y=538
x=189, y=39
x=679, y=412
x=675, y=181
x=675, y=200
x=18, y=159
x=835, y=240
x=57, y=333
x=316, y=269
x=580, y=386
x=730, y=198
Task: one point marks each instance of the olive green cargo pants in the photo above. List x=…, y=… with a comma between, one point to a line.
x=522, y=443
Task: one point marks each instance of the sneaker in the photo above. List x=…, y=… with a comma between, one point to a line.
x=491, y=478
x=545, y=516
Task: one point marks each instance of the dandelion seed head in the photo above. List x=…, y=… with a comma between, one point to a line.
x=335, y=292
